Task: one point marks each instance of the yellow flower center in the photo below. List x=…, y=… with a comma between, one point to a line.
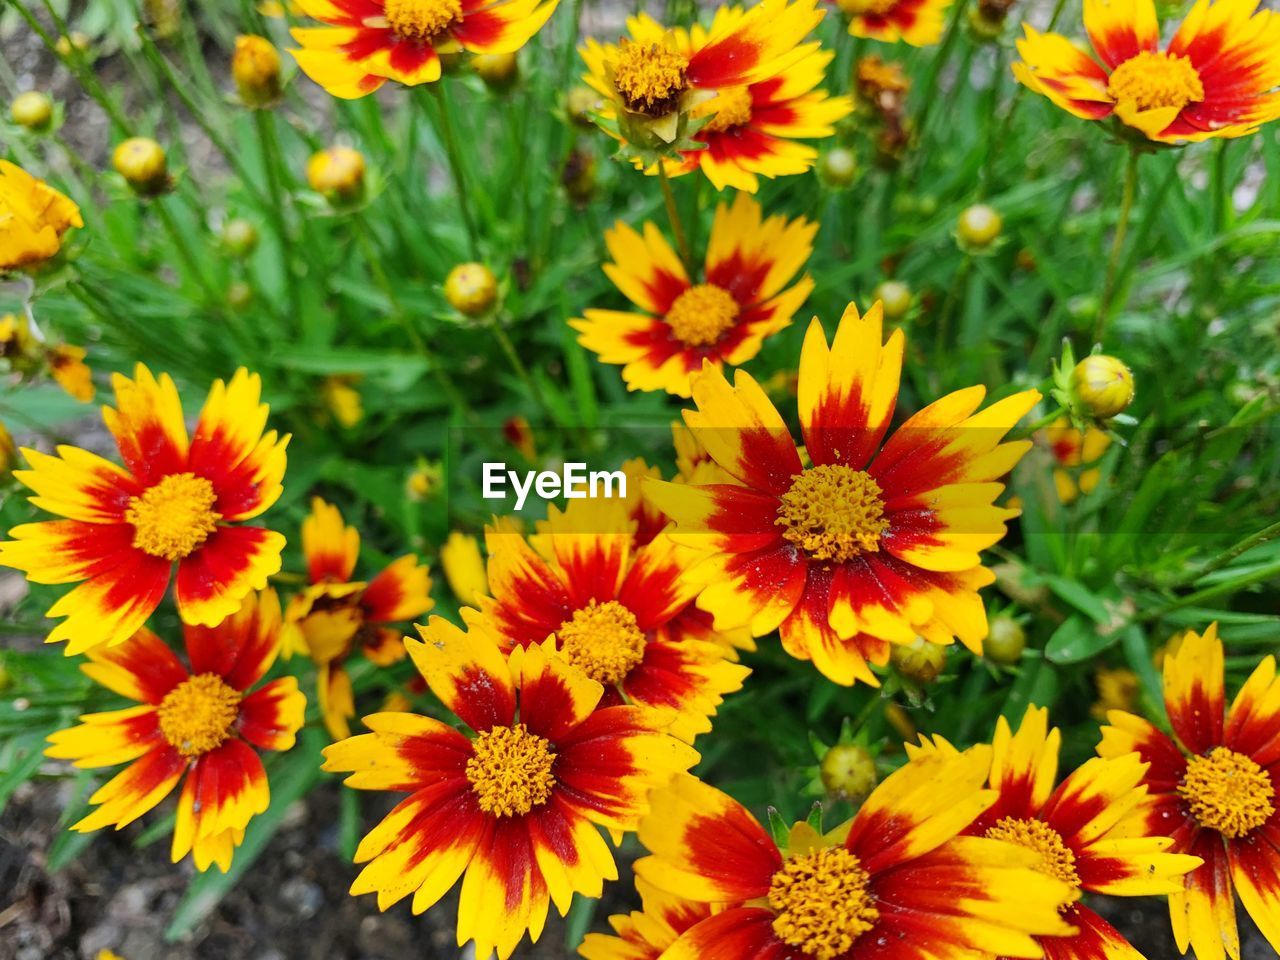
x=510, y=771
x=702, y=315
x=421, y=20
x=1056, y=860
x=833, y=512
x=732, y=108
x=649, y=76
x=1152, y=80
x=172, y=518
x=196, y=716
x=859, y=8
x=1228, y=792
x=603, y=640
x=821, y=902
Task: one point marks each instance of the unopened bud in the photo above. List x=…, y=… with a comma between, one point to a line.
x=338, y=173
x=848, y=771
x=33, y=110
x=1103, y=385
x=255, y=67
x=471, y=288
x=144, y=166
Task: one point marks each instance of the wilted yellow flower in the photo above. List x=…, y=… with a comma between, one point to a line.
x=66, y=364
x=33, y=218
x=1117, y=690
x=1103, y=385
x=32, y=109
x=464, y=568
x=255, y=67
x=471, y=288
x=337, y=172
x=343, y=400
x=17, y=345
x=143, y=164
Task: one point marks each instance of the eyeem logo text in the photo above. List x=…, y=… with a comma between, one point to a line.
x=574, y=482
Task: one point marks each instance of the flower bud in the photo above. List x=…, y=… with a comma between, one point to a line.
x=255, y=67
x=838, y=167
x=471, y=288
x=579, y=103
x=239, y=237
x=499, y=71
x=77, y=41
x=338, y=173
x=423, y=482
x=985, y=25
x=979, y=227
x=1005, y=640
x=920, y=660
x=895, y=297
x=848, y=771
x=579, y=177
x=144, y=166
x=33, y=110
x=162, y=18
x=1103, y=385
x=239, y=295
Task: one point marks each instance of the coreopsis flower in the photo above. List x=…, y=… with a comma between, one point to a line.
x=897, y=874
x=33, y=219
x=1217, y=77
x=1075, y=830
x=202, y=721
x=365, y=43
x=1076, y=453
x=916, y=22
x=67, y=367
x=654, y=77
x=724, y=319
x=176, y=501
x=751, y=131
x=644, y=934
x=1214, y=787
x=865, y=544
x=608, y=606
x=335, y=616
x=517, y=803
x=464, y=568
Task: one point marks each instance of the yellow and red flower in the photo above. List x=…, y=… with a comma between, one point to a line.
x=365, y=43
x=1217, y=77
x=1077, y=453
x=1074, y=830
x=1214, y=787
x=654, y=77
x=611, y=608
x=198, y=721
x=873, y=542
x=517, y=806
x=33, y=218
x=176, y=500
x=644, y=934
x=916, y=22
x=896, y=881
x=335, y=615
x=722, y=320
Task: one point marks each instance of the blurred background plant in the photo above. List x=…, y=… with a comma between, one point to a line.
x=400, y=270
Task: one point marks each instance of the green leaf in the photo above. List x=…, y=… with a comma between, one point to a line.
x=291, y=778
x=1077, y=639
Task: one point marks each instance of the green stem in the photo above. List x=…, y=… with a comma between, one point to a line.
x=1039, y=424
x=673, y=214
x=1117, y=246
x=1261, y=575
x=192, y=262
x=1224, y=558
x=272, y=161
x=930, y=89
x=445, y=128
x=513, y=357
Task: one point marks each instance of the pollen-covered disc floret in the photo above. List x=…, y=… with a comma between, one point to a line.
x=174, y=517
x=702, y=315
x=650, y=77
x=422, y=20
x=197, y=715
x=833, y=512
x=1228, y=792
x=1056, y=859
x=511, y=771
x=1154, y=79
x=603, y=640
x=822, y=902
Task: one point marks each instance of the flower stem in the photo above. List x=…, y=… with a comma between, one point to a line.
x=673, y=214
x=930, y=90
x=444, y=126
x=1117, y=246
x=271, y=157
